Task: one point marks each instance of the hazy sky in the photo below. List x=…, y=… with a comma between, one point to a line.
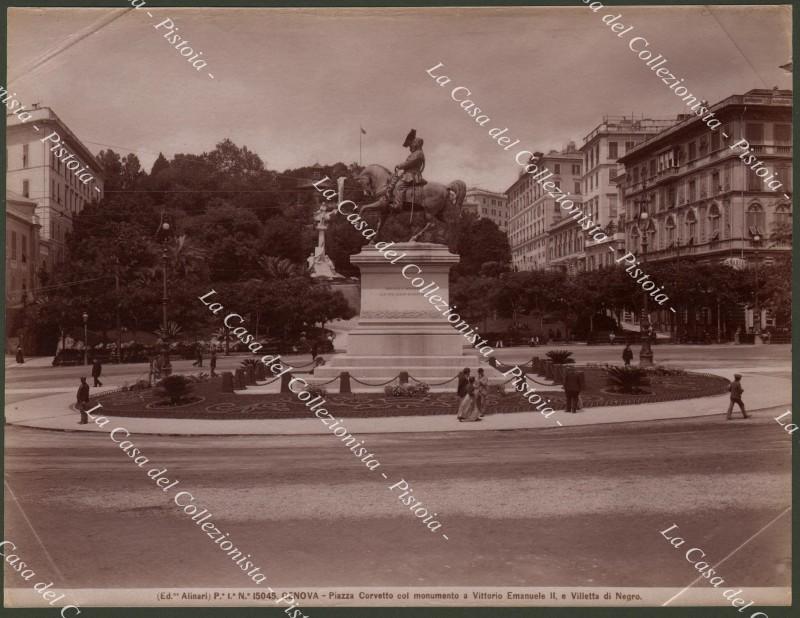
x=294, y=85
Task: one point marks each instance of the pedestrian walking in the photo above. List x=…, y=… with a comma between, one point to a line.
x=461, y=389
x=573, y=385
x=627, y=355
x=611, y=337
x=83, y=401
x=199, y=361
x=97, y=369
x=20, y=356
x=314, y=349
x=482, y=392
x=468, y=406
x=736, y=396
x=213, y=362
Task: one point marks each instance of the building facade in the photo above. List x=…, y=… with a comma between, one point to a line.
x=602, y=147
x=704, y=202
x=487, y=205
x=37, y=173
x=532, y=211
x=22, y=257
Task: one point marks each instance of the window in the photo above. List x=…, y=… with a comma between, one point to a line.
x=13, y=245
x=629, y=146
x=577, y=188
x=691, y=227
x=652, y=167
x=670, y=228
x=24, y=249
x=783, y=216
x=755, y=219
x=714, y=141
x=672, y=197
x=612, y=206
x=26, y=188
x=576, y=170
x=754, y=181
x=715, y=186
x=754, y=132
x=692, y=151
x=714, y=223
x=556, y=168
x=692, y=191
x=25, y=153
x=783, y=133
x=612, y=150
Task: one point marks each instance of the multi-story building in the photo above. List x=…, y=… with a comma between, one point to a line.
x=614, y=137
x=487, y=205
x=704, y=203
x=35, y=172
x=22, y=252
x=532, y=211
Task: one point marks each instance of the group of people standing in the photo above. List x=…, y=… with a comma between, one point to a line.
x=472, y=395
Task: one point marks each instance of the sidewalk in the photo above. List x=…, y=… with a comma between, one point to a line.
x=53, y=412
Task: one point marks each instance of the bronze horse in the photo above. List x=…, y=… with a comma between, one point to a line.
x=432, y=198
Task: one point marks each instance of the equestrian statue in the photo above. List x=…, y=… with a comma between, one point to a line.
x=406, y=190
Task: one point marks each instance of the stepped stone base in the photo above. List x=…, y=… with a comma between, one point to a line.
x=399, y=329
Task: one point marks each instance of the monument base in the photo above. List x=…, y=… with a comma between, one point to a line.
x=399, y=327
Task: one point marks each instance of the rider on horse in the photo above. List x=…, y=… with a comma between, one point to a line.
x=412, y=171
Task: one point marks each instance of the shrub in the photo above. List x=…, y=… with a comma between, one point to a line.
x=661, y=370
x=627, y=379
x=176, y=387
x=406, y=390
x=560, y=357
x=317, y=391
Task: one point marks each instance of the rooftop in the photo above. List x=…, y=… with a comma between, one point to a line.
x=754, y=97
x=628, y=124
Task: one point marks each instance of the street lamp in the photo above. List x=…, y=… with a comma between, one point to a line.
x=643, y=219
x=757, y=312
x=85, y=338
x=164, y=233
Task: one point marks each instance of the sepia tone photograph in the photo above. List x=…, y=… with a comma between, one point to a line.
x=422, y=307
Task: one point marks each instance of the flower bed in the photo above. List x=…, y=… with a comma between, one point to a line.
x=219, y=405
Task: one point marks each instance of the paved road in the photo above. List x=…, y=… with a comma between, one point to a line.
x=546, y=507
x=579, y=506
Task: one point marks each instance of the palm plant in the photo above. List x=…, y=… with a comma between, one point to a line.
x=172, y=332
x=279, y=268
x=560, y=357
x=627, y=379
x=177, y=388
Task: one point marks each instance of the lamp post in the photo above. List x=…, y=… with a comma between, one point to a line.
x=85, y=338
x=757, y=310
x=643, y=219
x=164, y=233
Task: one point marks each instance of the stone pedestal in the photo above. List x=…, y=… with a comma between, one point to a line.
x=399, y=329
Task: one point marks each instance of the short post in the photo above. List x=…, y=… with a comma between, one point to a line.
x=285, y=379
x=344, y=383
x=404, y=377
x=227, y=382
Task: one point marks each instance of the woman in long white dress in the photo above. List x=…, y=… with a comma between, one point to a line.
x=468, y=408
x=482, y=392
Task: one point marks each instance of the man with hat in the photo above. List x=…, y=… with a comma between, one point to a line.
x=736, y=395
x=412, y=170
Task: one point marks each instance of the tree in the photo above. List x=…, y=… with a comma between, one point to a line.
x=479, y=241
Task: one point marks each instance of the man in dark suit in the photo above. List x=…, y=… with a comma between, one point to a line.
x=573, y=385
x=83, y=401
x=97, y=369
x=463, y=381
